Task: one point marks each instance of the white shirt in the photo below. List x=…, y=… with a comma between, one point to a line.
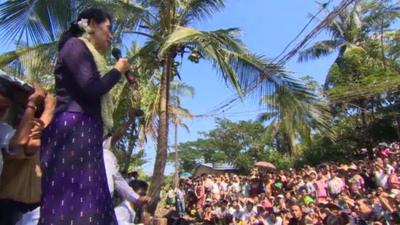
x=237, y=215
x=223, y=186
x=30, y=218
x=278, y=221
x=247, y=214
x=235, y=187
x=125, y=213
x=336, y=185
x=390, y=169
x=6, y=133
x=114, y=178
x=381, y=178
x=310, y=187
x=215, y=189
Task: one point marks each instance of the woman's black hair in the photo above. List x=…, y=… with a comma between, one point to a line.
x=98, y=15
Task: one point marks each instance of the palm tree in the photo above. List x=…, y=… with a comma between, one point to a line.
x=165, y=27
x=356, y=75
x=346, y=33
x=177, y=120
x=294, y=113
x=35, y=27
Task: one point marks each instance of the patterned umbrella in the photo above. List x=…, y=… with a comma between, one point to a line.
x=265, y=165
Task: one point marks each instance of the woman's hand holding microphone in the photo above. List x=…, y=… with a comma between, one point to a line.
x=122, y=65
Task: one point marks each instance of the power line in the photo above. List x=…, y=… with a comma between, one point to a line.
x=283, y=60
x=323, y=7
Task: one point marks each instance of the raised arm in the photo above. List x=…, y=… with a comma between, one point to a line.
x=33, y=144
x=21, y=136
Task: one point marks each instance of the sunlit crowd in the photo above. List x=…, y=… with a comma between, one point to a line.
x=361, y=192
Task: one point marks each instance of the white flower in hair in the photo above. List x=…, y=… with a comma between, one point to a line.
x=84, y=25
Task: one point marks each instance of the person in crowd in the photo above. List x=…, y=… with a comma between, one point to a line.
x=170, y=202
x=180, y=200
x=335, y=184
x=297, y=216
x=114, y=178
x=20, y=180
x=200, y=192
x=337, y=194
x=134, y=175
x=129, y=212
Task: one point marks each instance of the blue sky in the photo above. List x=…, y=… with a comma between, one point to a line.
x=267, y=27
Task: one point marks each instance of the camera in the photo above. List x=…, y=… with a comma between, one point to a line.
x=18, y=92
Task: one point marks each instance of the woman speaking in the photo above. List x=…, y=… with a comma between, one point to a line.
x=74, y=182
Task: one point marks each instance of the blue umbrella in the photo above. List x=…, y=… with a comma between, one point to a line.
x=185, y=175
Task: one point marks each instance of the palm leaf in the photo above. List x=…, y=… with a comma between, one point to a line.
x=9, y=57
x=296, y=111
x=319, y=49
x=179, y=112
x=192, y=10
x=39, y=21
x=121, y=10
x=266, y=116
x=181, y=89
x=228, y=55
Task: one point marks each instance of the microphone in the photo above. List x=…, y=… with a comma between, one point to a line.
x=116, y=53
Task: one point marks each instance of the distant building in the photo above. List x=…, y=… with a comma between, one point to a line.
x=214, y=169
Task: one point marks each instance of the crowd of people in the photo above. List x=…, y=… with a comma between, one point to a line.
x=361, y=192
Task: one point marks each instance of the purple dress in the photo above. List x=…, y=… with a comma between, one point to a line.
x=74, y=183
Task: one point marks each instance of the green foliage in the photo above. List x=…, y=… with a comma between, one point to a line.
x=241, y=144
x=362, y=84
x=293, y=113
x=137, y=160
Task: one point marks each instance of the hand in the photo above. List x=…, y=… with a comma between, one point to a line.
x=36, y=131
x=143, y=200
x=122, y=65
x=38, y=96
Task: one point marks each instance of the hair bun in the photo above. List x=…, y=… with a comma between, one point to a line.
x=76, y=30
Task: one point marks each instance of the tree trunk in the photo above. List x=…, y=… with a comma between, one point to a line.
x=365, y=130
x=131, y=146
x=289, y=144
x=176, y=178
x=133, y=134
x=162, y=138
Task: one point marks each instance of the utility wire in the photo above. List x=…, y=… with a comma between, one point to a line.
x=281, y=60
